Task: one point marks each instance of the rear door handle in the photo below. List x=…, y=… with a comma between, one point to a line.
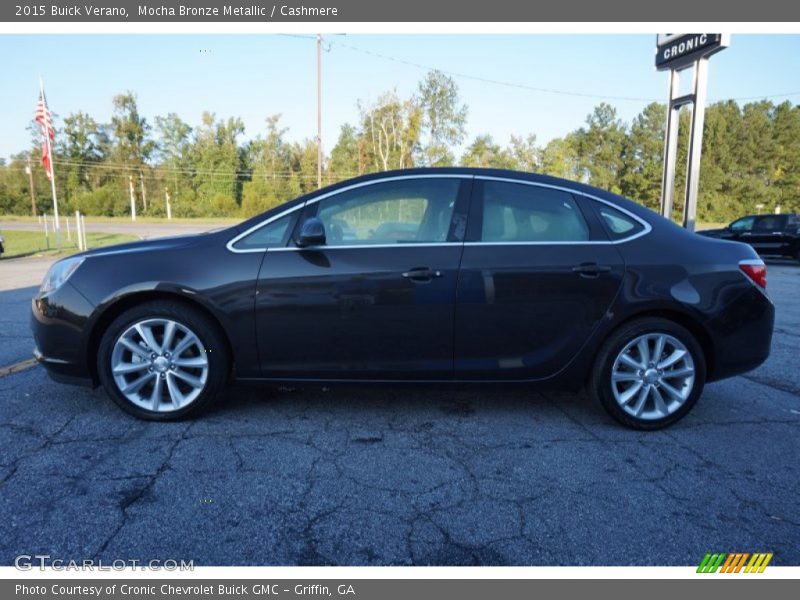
x=591, y=269
x=421, y=274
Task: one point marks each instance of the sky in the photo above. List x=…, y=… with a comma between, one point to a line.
x=254, y=76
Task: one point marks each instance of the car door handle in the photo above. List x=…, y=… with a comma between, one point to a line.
x=421, y=274
x=591, y=269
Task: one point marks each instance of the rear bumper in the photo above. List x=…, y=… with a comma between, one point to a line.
x=742, y=334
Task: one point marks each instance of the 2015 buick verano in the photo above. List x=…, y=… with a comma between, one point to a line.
x=425, y=275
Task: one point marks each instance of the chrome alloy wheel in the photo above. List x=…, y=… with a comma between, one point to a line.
x=652, y=376
x=159, y=365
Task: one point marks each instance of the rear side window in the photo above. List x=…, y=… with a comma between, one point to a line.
x=769, y=223
x=617, y=224
x=515, y=212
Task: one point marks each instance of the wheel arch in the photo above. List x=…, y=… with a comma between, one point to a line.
x=128, y=301
x=687, y=321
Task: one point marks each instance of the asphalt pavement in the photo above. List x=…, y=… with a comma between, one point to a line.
x=385, y=475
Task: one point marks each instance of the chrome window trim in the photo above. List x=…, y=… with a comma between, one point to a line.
x=647, y=228
x=358, y=246
x=316, y=199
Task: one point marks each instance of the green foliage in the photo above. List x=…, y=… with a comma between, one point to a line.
x=223, y=205
x=443, y=119
x=751, y=155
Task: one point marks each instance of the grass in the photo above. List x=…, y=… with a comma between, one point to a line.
x=33, y=243
x=711, y=225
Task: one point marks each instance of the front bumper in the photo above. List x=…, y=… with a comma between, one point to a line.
x=58, y=324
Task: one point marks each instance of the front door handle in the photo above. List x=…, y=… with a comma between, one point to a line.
x=421, y=274
x=590, y=269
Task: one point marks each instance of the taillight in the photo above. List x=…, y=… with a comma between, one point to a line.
x=756, y=271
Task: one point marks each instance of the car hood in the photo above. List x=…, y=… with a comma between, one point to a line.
x=163, y=243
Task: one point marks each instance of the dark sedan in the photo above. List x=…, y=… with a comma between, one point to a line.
x=427, y=276
x=769, y=235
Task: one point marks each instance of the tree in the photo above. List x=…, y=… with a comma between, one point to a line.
x=484, y=152
x=599, y=146
x=643, y=155
x=132, y=135
x=270, y=161
x=392, y=128
x=524, y=154
x=560, y=159
x=174, y=151
x=443, y=119
x=347, y=156
x=217, y=160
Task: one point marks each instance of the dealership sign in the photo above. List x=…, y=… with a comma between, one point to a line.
x=680, y=50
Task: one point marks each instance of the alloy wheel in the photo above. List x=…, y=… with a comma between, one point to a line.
x=653, y=376
x=159, y=365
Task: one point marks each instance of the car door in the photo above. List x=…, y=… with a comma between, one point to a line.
x=376, y=301
x=536, y=278
x=769, y=234
x=740, y=230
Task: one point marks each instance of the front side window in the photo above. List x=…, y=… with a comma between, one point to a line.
x=407, y=211
x=743, y=224
x=514, y=212
x=270, y=235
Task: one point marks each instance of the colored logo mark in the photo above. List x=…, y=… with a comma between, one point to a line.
x=735, y=562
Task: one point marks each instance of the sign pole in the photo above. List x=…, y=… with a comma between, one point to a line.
x=695, y=143
x=678, y=52
x=670, y=147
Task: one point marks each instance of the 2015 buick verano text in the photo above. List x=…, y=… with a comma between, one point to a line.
x=426, y=275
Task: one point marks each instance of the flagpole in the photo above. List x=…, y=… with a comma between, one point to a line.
x=52, y=171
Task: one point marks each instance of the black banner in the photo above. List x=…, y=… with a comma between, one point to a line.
x=406, y=11
x=392, y=589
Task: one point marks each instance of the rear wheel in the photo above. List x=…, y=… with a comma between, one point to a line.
x=649, y=373
x=163, y=361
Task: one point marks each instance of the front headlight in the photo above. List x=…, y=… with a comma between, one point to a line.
x=59, y=273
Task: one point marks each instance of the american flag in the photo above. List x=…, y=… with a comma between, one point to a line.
x=45, y=120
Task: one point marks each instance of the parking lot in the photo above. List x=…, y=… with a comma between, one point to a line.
x=385, y=475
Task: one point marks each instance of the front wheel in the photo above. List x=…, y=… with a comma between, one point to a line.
x=163, y=361
x=649, y=373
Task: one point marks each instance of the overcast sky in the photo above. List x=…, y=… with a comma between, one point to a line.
x=254, y=76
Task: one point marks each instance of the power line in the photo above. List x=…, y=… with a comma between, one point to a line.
x=521, y=86
x=206, y=174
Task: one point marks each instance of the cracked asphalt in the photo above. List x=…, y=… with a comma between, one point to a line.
x=382, y=475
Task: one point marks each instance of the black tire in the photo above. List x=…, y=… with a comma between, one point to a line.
x=210, y=336
x=600, y=384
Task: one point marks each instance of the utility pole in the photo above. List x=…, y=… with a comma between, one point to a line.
x=144, y=192
x=319, y=110
x=169, y=205
x=29, y=171
x=133, y=198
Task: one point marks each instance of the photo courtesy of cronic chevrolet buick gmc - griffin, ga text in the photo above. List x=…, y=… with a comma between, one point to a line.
x=429, y=276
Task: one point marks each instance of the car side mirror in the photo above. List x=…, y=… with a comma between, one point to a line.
x=312, y=233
